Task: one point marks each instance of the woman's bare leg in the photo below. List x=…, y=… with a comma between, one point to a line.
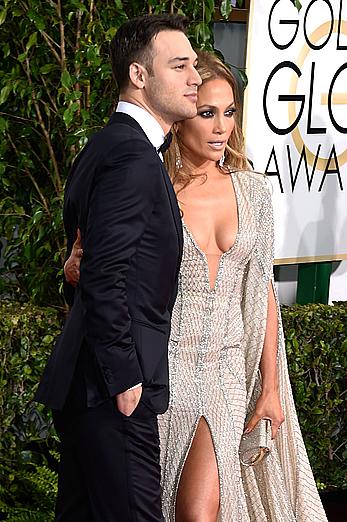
x=198, y=490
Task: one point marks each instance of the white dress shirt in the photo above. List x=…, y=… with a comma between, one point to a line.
x=150, y=126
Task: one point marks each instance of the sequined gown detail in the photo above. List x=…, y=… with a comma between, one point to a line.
x=214, y=351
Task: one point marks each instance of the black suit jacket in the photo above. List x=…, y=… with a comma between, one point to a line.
x=120, y=196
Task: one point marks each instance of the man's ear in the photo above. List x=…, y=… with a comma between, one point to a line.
x=137, y=74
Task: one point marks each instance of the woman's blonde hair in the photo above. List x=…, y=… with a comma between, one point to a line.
x=210, y=68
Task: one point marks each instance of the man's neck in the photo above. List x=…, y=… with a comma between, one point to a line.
x=140, y=103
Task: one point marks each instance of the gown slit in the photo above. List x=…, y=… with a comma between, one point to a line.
x=187, y=453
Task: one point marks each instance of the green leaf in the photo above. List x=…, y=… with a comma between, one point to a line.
x=22, y=57
x=85, y=115
x=48, y=339
x=209, y=10
x=78, y=5
x=3, y=125
x=110, y=33
x=4, y=93
x=317, y=411
x=93, y=56
x=4, y=181
x=66, y=80
x=37, y=19
x=32, y=41
x=37, y=216
x=203, y=33
x=6, y=50
x=48, y=68
x=3, y=15
x=225, y=8
x=73, y=95
x=243, y=77
x=69, y=113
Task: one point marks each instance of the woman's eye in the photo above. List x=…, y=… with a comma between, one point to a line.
x=230, y=113
x=206, y=114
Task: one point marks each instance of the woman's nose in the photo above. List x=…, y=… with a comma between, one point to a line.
x=220, y=126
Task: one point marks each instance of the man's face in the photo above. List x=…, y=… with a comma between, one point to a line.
x=171, y=89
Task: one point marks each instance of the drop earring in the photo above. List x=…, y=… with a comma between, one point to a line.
x=221, y=161
x=178, y=161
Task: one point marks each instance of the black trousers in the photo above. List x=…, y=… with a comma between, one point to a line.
x=109, y=467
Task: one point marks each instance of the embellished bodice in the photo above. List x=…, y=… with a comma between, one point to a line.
x=206, y=311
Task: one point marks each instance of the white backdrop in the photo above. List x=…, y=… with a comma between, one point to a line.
x=295, y=122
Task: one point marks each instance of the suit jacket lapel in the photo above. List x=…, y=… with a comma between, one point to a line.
x=175, y=210
x=121, y=117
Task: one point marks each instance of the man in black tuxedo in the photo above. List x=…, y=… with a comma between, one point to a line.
x=107, y=378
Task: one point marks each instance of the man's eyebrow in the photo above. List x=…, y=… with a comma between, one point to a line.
x=179, y=59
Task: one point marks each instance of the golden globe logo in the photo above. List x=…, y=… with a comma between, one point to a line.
x=316, y=96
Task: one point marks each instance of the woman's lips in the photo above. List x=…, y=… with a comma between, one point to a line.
x=217, y=145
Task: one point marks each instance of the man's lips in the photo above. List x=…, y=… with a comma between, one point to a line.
x=193, y=96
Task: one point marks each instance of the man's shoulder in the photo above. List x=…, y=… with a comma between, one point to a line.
x=119, y=131
x=116, y=142
x=112, y=146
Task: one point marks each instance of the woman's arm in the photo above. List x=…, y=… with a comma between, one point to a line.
x=268, y=405
x=268, y=367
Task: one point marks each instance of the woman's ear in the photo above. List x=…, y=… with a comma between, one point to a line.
x=137, y=75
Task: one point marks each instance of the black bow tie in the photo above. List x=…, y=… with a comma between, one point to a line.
x=166, y=144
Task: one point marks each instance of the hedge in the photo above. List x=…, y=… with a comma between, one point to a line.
x=317, y=352
x=28, y=445
x=316, y=343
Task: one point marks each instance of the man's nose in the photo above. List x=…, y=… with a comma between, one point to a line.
x=195, y=78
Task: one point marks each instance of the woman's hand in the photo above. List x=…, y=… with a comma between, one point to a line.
x=268, y=406
x=72, y=265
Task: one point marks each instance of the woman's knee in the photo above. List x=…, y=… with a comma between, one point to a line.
x=197, y=515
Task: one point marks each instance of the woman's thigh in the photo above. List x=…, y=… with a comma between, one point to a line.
x=198, y=490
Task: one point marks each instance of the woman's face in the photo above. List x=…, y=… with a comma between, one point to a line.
x=205, y=136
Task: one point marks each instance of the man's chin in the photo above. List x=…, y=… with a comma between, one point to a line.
x=188, y=114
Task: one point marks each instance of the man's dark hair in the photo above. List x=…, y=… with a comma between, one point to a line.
x=133, y=42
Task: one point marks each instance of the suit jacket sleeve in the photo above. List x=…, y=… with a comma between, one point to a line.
x=121, y=204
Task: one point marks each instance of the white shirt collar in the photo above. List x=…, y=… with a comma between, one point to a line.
x=147, y=122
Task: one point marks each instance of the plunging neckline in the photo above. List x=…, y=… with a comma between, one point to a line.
x=224, y=254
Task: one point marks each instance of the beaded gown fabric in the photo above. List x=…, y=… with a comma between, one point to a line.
x=214, y=352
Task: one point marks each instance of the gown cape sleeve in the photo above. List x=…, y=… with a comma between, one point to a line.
x=282, y=487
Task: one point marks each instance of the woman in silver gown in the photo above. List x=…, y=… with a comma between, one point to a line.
x=226, y=353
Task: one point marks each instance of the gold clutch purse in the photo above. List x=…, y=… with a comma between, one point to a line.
x=256, y=445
